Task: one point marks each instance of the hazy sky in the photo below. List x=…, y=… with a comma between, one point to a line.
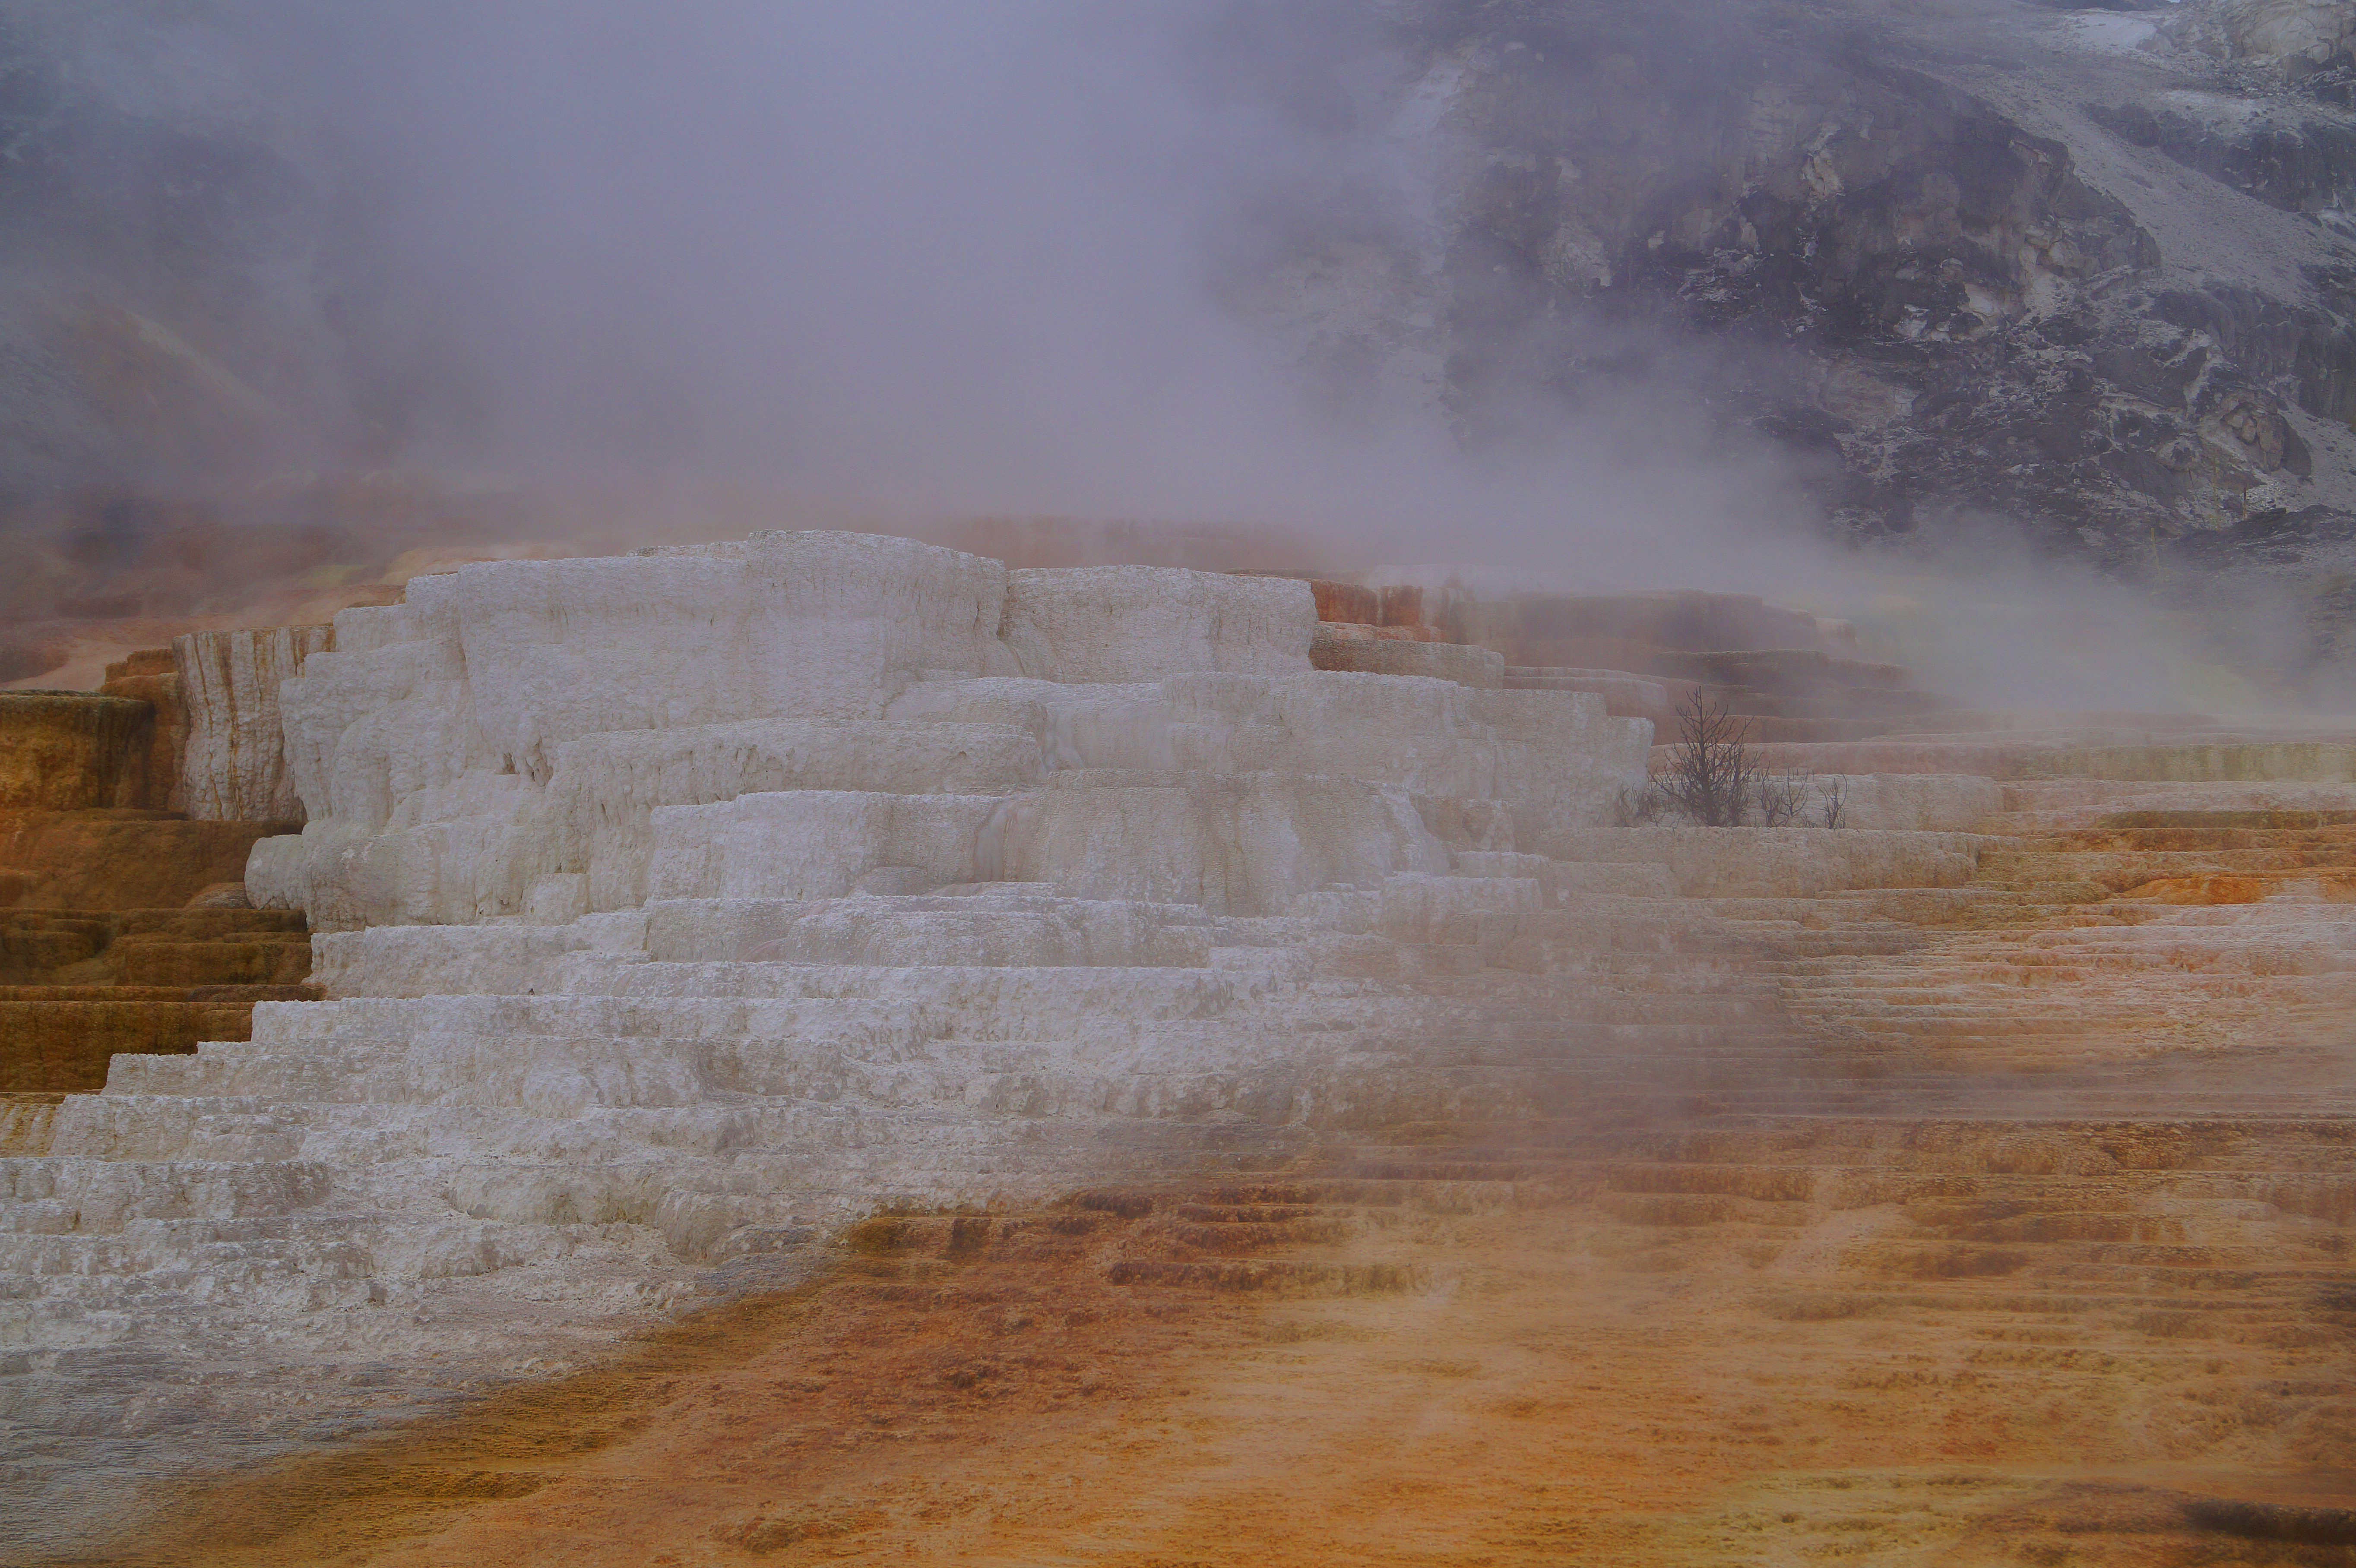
x=909, y=244
x=947, y=257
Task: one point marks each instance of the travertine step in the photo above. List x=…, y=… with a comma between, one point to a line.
x=121, y=858
x=91, y=983
x=1026, y=930
x=970, y=887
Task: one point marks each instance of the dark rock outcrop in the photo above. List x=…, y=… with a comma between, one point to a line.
x=1927, y=253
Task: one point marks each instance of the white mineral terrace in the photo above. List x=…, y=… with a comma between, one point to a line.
x=678, y=908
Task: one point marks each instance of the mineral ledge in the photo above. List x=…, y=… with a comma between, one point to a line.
x=675, y=909
x=672, y=908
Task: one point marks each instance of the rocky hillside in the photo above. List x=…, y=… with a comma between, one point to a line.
x=2084, y=269
x=2086, y=272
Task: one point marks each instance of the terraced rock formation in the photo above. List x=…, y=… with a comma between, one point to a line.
x=1743, y=1336
x=864, y=922
x=124, y=925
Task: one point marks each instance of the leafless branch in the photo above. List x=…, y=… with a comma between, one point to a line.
x=1781, y=797
x=1710, y=773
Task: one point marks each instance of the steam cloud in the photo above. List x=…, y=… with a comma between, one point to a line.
x=880, y=261
x=923, y=257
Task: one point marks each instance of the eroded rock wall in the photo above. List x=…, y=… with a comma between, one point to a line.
x=233, y=766
x=70, y=750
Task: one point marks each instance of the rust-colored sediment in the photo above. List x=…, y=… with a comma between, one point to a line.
x=1969, y=1321
x=1779, y=1341
x=124, y=925
x=1973, y=1327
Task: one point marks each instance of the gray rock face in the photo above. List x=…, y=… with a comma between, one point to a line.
x=2086, y=269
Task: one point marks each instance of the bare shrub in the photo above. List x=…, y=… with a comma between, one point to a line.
x=1638, y=808
x=1835, y=802
x=1710, y=776
x=1781, y=798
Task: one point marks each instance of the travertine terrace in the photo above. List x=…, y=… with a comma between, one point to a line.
x=676, y=911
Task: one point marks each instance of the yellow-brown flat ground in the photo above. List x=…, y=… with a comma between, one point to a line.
x=1774, y=1344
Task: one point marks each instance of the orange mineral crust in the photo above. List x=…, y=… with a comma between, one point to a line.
x=1773, y=1344
x=1122, y=1063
